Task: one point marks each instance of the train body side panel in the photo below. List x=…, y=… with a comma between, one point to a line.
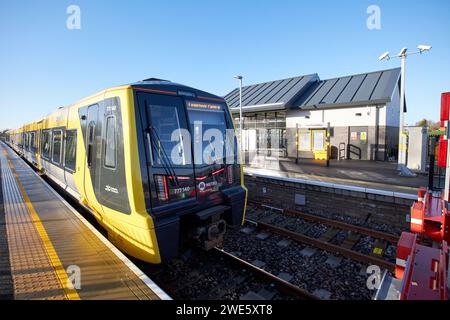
x=131, y=230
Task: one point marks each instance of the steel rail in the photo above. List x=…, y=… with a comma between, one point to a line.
x=362, y=230
x=282, y=285
x=326, y=246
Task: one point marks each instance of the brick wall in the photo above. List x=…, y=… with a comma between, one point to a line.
x=377, y=208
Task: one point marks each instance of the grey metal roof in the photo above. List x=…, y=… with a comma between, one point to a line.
x=361, y=89
x=273, y=95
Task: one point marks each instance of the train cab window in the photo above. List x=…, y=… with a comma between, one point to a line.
x=167, y=120
x=70, y=150
x=110, y=143
x=46, y=144
x=202, y=120
x=57, y=138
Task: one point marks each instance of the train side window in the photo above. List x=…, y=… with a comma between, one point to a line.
x=46, y=144
x=57, y=138
x=70, y=150
x=110, y=143
x=90, y=147
x=25, y=138
x=32, y=142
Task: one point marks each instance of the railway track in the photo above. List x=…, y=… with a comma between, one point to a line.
x=219, y=274
x=323, y=242
x=281, y=285
x=362, y=230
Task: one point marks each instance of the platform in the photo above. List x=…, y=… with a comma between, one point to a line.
x=327, y=178
x=380, y=175
x=49, y=251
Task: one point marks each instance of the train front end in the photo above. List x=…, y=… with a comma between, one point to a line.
x=192, y=176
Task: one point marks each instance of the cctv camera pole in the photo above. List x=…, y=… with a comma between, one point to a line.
x=402, y=136
x=402, y=139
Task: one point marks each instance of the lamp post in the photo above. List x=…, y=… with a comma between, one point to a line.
x=240, y=108
x=402, y=136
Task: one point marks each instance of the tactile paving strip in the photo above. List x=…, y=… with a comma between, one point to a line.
x=105, y=272
x=6, y=283
x=33, y=276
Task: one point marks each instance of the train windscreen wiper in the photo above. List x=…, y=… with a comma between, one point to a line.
x=166, y=164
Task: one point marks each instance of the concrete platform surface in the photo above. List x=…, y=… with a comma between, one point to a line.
x=367, y=174
x=49, y=251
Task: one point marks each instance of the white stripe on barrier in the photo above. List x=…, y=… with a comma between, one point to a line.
x=400, y=262
x=416, y=221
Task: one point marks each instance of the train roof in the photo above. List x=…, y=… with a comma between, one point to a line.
x=159, y=85
x=154, y=84
x=173, y=87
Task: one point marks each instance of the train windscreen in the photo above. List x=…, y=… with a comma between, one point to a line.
x=208, y=129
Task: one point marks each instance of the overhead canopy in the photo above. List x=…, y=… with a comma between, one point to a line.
x=309, y=92
x=273, y=95
x=356, y=90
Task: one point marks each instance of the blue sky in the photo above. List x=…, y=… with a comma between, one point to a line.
x=44, y=65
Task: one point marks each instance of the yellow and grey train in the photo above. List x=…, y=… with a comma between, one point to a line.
x=111, y=152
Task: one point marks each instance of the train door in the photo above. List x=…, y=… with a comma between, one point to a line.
x=91, y=137
x=112, y=189
x=102, y=129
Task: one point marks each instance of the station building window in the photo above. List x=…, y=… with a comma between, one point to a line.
x=264, y=132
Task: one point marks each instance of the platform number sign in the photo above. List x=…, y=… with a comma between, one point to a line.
x=374, y=280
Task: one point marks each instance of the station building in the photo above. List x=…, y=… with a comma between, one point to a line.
x=291, y=117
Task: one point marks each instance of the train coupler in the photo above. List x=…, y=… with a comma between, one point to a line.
x=211, y=235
